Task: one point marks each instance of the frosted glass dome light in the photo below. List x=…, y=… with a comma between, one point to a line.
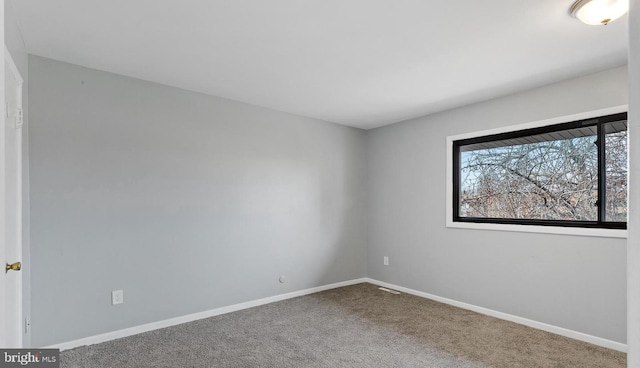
x=599, y=12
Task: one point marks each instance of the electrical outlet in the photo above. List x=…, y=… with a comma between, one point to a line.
x=117, y=297
x=385, y=261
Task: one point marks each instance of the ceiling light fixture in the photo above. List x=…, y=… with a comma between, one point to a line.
x=599, y=12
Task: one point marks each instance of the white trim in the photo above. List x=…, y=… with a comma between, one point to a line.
x=609, y=344
x=250, y=304
x=196, y=316
x=608, y=233
x=577, y=231
x=14, y=69
x=20, y=82
x=16, y=125
x=3, y=294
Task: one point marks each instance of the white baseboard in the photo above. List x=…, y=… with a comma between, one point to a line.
x=509, y=317
x=236, y=307
x=196, y=316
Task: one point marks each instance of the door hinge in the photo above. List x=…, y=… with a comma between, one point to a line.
x=19, y=118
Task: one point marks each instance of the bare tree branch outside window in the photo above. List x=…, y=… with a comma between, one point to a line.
x=545, y=179
x=616, y=166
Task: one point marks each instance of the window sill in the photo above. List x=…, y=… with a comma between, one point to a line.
x=557, y=230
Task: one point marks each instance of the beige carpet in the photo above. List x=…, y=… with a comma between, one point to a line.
x=354, y=326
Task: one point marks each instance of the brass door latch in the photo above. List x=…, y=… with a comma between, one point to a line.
x=13, y=267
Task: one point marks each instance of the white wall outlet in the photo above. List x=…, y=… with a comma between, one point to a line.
x=385, y=261
x=117, y=297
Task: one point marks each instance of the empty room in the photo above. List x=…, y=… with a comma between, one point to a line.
x=320, y=183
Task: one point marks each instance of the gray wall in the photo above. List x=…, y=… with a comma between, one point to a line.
x=186, y=202
x=189, y=202
x=633, y=358
x=573, y=282
x=15, y=44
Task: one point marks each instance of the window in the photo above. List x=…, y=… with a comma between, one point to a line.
x=570, y=174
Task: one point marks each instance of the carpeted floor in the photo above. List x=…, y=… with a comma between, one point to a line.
x=354, y=326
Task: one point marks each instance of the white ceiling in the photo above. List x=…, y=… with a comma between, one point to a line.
x=363, y=63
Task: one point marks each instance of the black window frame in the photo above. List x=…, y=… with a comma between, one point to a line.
x=599, y=122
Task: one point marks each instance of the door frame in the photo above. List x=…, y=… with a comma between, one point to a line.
x=10, y=65
x=3, y=293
